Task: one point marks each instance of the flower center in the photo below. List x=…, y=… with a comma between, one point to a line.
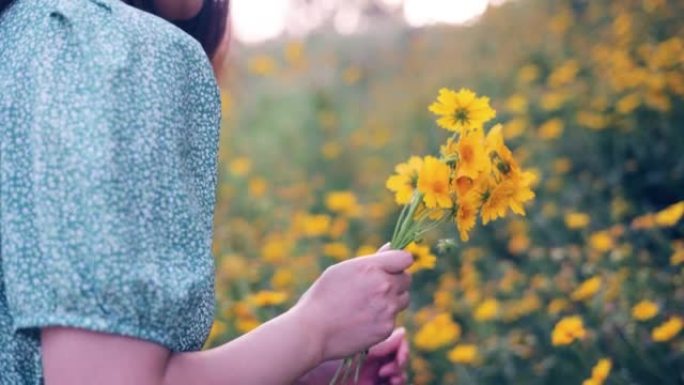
x=461, y=115
x=439, y=187
x=467, y=153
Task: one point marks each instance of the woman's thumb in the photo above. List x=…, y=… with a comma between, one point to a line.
x=385, y=247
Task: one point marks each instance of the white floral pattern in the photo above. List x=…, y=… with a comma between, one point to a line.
x=109, y=124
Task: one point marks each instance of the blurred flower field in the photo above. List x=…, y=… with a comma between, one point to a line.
x=586, y=289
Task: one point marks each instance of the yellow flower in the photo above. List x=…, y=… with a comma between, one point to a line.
x=342, y=202
x=601, y=241
x=226, y=103
x=257, y=187
x=677, y=257
x=551, y=101
x=262, y=65
x=217, y=330
x=232, y=266
x=628, y=103
x=422, y=257
x=564, y=74
x=438, y=332
x=283, y=279
x=587, y=289
x=338, y=227
x=336, y=250
x=667, y=330
x=240, y=166
x=644, y=310
x=449, y=150
x=461, y=110
x=275, y=248
x=312, y=225
x=567, y=330
x=671, y=215
x=466, y=215
x=528, y=73
x=472, y=158
x=514, y=128
x=443, y=299
x=593, y=120
x=495, y=203
x=511, y=193
x=577, y=220
x=601, y=369
x=599, y=372
x=516, y=104
x=331, y=150
x=557, y=305
x=487, y=310
x=268, y=298
x=366, y=250
x=404, y=182
x=433, y=182
x=495, y=147
x=513, y=188
x=244, y=325
x=551, y=129
x=464, y=354
x=294, y=52
x=562, y=165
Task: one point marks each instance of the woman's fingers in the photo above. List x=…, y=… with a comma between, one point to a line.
x=401, y=282
x=392, y=261
x=399, y=380
x=403, y=301
x=390, y=369
x=390, y=345
x=403, y=353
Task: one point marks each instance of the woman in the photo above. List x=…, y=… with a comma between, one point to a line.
x=109, y=121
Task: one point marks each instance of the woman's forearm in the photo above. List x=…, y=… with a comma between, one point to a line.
x=352, y=306
x=278, y=352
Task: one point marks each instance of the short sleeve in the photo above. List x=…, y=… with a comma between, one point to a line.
x=108, y=180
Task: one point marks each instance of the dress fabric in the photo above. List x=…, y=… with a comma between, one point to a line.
x=109, y=125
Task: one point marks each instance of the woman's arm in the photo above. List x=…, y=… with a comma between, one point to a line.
x=278, y=352
x=350, y=307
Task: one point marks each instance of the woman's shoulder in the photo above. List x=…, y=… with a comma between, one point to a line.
x=108, y=28
x=94, y=49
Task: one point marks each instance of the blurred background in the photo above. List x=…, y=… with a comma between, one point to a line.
x=322, y=98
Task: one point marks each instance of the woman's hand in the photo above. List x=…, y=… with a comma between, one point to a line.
x=353, y=305
x=386, y=361
x=385, y=364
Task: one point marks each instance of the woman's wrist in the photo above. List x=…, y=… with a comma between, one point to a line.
x=299, y=322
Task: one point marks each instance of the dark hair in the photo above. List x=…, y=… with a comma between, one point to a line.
x=208, y=26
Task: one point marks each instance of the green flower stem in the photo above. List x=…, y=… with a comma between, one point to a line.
x=400, y=221
x=347, y=368
x=338, y=372
x=405, y=227
x=361, y=360
x=651, y=366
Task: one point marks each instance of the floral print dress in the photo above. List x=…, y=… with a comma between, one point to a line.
x=109, y=123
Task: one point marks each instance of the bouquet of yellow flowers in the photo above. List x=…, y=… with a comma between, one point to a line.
x=475, y=173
